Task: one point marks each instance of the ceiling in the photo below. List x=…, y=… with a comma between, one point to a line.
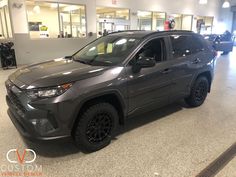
x=232, y=2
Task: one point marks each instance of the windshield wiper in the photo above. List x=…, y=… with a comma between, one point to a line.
x=88, y=62
x=82, y=61
x=68, y=57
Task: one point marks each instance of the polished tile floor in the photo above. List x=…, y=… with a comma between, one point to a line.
x=173, y=141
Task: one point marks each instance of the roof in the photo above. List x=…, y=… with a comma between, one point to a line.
x=142, y=33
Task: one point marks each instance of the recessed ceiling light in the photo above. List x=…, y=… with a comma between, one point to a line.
x=36, y=9
x=226, y=4
x=202, y=1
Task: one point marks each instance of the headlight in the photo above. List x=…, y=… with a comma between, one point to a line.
x=48, y=92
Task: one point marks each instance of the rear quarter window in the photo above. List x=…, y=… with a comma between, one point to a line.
x=184, y=45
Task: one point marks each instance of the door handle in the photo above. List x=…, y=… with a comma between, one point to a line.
x=196, y=61
x=166, y=71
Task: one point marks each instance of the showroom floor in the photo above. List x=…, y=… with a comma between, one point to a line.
x=173, y=141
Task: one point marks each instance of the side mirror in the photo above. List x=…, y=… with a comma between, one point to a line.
x=143, y=62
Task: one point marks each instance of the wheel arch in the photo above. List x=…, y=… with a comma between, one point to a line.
x=112, y=97
x=206, y=74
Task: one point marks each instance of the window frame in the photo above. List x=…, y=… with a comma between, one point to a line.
x=192, y=18
x=85, y=12
x=58, y=18
x=153, y=12
x=138, y=19
x=7, y=25
x=197, y=17
x=118, y=8
x=129, y=59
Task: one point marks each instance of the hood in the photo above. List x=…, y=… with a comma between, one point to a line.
x=54, y=72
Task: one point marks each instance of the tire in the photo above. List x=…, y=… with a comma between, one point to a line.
x=96, y=127
x=198, y=92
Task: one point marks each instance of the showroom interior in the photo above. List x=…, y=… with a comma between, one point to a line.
x=174, y=140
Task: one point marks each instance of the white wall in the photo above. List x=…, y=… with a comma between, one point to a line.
x=169, y=6
x=36, y=50
x=225, y=20
x=18, y=16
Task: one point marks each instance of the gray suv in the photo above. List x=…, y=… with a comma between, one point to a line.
x=87, y=95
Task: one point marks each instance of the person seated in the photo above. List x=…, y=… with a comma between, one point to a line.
x=227, y=36
x=146, y=53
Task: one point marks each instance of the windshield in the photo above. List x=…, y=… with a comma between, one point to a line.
x=106, y=51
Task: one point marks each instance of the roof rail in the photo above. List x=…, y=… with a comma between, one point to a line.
x=121, y=31
x=151, y=32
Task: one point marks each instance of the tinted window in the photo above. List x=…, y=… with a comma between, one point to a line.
x=185, y=45
x=154, y=49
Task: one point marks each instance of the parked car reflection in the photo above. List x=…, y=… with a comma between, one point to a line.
x=223, y=42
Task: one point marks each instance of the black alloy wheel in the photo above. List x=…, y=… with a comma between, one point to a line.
x=201, y=91
x=198, y=92
x=96, y=127
x=99, y=128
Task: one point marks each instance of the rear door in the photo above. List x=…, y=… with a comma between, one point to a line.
x=187, y=55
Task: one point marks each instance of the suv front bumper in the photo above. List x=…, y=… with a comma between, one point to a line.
x=35, y=122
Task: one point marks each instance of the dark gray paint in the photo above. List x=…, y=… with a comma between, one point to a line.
x=151, y=87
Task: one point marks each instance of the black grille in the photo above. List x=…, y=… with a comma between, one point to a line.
x=16, y=102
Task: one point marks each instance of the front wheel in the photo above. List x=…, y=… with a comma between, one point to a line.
x=96, y=127
x=198, y=92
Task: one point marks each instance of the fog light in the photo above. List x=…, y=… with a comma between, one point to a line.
x=42, y=126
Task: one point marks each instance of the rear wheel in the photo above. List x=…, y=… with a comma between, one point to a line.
x=96, y=127
x=198, y=92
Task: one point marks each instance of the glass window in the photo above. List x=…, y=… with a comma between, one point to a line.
x=178, y=21
x=183, y=45
x=144, y=20
x=111, y=19
x=154, y=49
x=53, y=20
x=208, y=24
x=113, y=13
x=8, y=20
x=158, y=21
x=187, y=22
x=72, y=20
x=106, y=51
x=5, y=23
x=42, y=19
x=1, y=30
x=203, y=25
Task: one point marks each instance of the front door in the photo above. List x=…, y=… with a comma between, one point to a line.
x=150, y=87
